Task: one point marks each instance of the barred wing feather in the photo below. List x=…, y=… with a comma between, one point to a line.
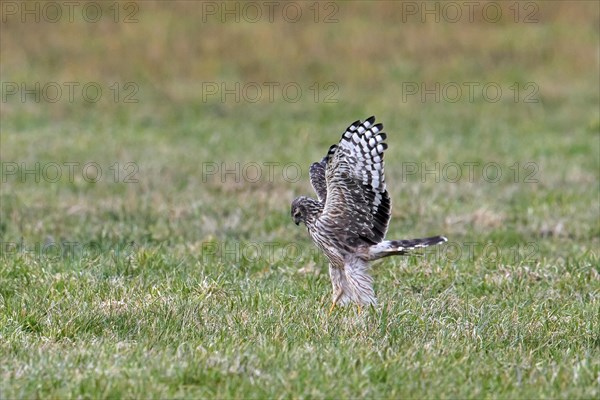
x=356, y=195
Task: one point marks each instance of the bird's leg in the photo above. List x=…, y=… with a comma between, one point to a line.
x=359, y=309
x=335, y=301
x=332, y=307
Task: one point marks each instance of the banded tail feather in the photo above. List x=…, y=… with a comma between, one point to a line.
x=402, y=247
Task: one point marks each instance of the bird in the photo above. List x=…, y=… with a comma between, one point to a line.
x=349, y=219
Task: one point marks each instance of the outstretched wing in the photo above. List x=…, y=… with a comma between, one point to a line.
x=317, y=175
x=317, y=179
x=357, y=201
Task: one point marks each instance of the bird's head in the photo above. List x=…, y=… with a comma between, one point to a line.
x=299, y=210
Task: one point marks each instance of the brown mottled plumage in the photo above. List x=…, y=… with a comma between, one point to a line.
x=349, y=220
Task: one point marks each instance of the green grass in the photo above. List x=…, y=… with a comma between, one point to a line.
x=179, y=283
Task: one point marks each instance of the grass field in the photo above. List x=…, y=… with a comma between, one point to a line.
x=150, y=153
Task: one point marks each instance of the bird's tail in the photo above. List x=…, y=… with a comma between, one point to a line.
x=402, y=247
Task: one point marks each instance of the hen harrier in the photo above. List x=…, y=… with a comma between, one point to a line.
x=349, y=220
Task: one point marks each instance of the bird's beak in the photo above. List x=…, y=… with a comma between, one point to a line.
x=297, y=221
